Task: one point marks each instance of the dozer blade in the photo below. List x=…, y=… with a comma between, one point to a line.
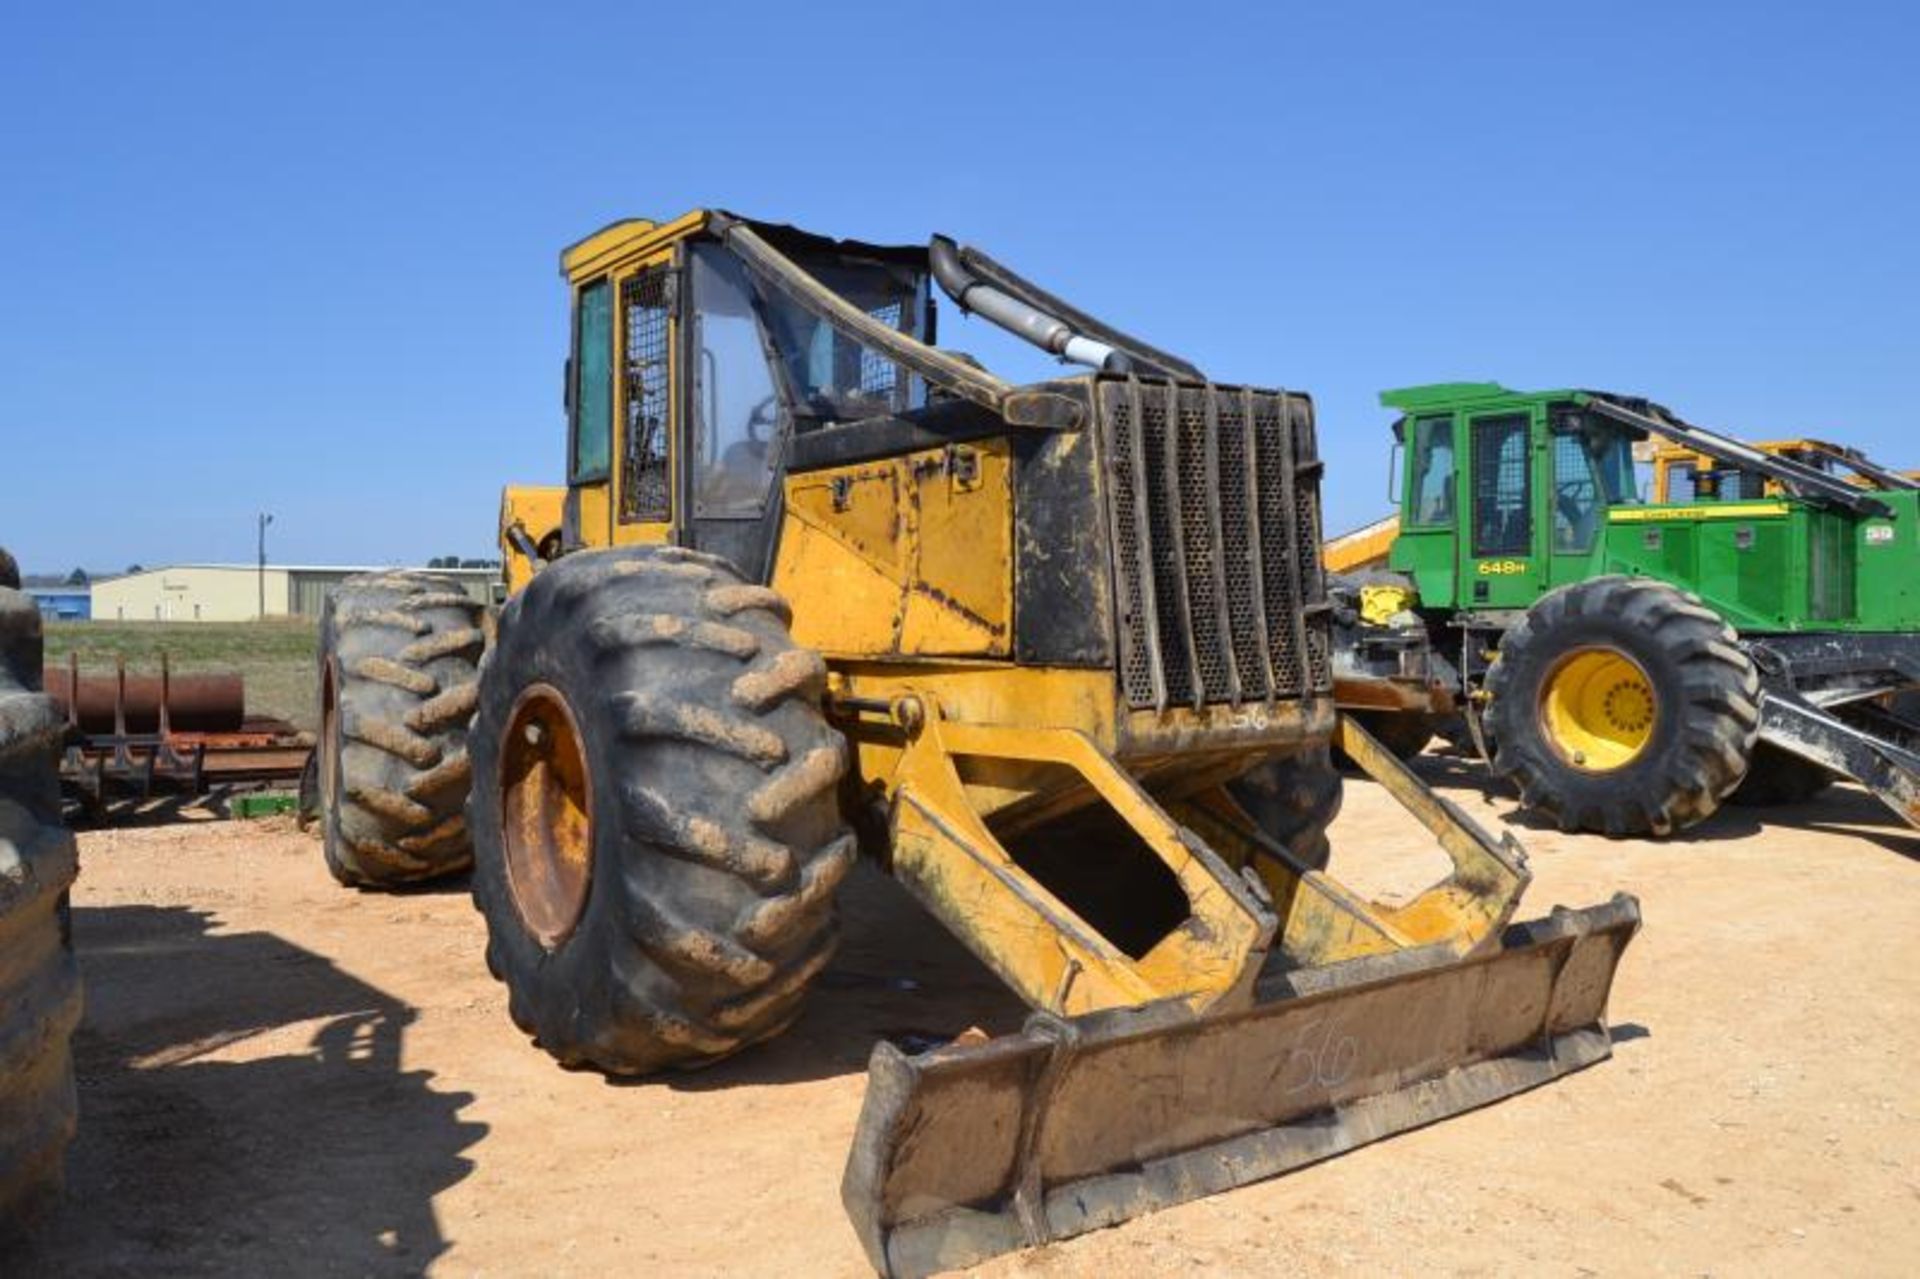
x=971, y=1150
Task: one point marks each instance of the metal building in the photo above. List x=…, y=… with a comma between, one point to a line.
x=62, y=603
x=234, y=592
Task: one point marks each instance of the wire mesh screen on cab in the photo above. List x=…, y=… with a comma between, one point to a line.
x=644, y=490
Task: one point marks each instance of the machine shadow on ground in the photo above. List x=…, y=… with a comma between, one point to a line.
x=899, y=976
x=304, y=1149
x=163, y=810
x=1841, y=809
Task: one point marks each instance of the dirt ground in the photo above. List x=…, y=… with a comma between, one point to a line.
x=281, y=1077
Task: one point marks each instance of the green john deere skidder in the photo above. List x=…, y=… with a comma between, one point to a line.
x=1626, y=665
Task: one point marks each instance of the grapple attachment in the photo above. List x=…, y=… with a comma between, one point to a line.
x=971, y=1150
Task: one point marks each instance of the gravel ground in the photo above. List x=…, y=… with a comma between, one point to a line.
x=282, y=1077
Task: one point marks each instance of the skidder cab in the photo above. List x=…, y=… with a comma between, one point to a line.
x=1055, y=656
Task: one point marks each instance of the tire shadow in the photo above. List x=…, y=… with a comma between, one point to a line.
x=304, y=1149
x=1842, y=808
x=459, y=883
x=898, y=976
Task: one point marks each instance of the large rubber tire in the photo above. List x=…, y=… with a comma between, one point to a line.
x=715, y=839
x=39, y=982
x=1776, y=778
x=399, y=677
x=1705, y=717
x=1294, y=800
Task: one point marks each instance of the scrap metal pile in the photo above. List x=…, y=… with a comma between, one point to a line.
x=143, y=736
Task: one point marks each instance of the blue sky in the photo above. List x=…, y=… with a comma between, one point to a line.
x=302, y=258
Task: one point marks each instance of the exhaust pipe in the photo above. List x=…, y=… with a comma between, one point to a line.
x=1048, y=332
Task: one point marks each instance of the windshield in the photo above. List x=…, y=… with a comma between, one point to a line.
x=832, y=376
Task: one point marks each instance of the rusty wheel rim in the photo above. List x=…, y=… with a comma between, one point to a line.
x=546, y=815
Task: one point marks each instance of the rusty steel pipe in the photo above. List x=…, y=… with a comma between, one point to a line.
x=194, y=703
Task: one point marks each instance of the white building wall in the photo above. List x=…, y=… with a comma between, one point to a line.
x=230, y=592
x=191, y=593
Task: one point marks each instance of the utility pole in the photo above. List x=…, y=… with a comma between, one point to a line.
x=265, y=520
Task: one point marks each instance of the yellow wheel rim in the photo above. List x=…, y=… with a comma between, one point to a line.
x=1598, y=709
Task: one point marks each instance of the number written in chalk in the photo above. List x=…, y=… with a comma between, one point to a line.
x=1321, y=1058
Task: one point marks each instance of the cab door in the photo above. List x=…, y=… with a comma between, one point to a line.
x=586, y=517
x=645, y=496
x=1427, y=545
x=738, y=416
x=1499, y=566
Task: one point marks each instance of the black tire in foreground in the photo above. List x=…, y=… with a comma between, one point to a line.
x=657, y=834
x=1294, y=800
x=1622, y=706
x=39, y=982
x=399, y=676
x=1777, y=778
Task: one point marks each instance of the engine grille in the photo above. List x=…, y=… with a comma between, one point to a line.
x=1214, y=494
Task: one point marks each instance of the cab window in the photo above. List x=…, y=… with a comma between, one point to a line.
x=1433, y=470
x=1502, y=488
x=835, y=378
x=1592, y=470
x=1576, y=496
x=1682, y=485
x=739, y=417
x=592, y=389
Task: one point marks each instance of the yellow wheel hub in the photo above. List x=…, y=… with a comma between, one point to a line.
x=1598, y=710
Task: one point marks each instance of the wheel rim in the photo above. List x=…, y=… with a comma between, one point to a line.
x=1598, y=709
x=546, y=815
